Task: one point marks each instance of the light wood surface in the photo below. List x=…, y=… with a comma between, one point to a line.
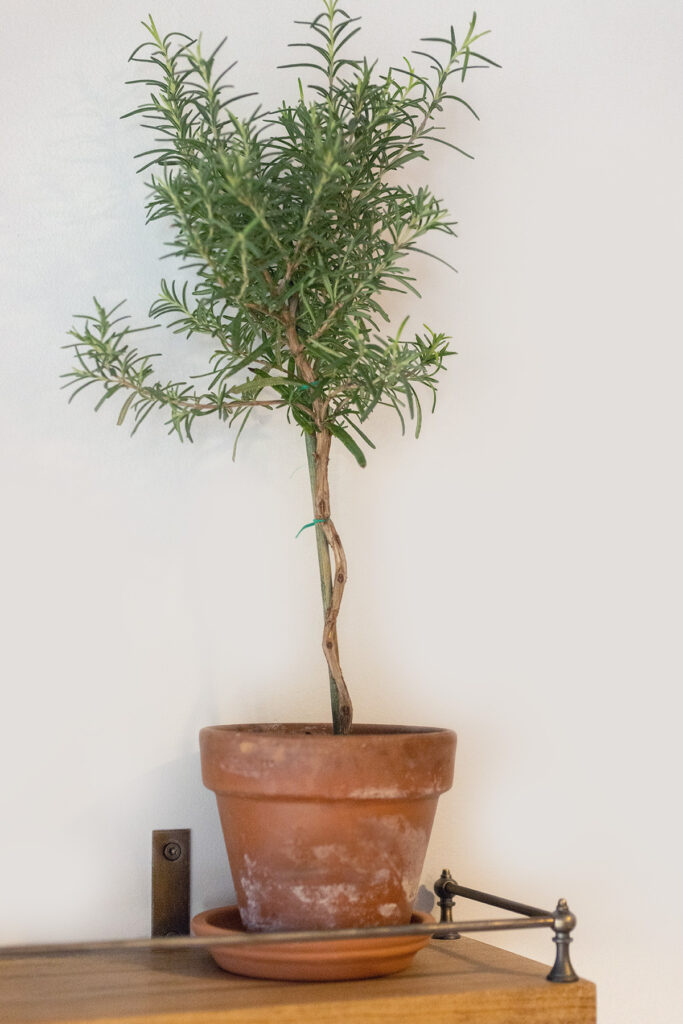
x=449, y=983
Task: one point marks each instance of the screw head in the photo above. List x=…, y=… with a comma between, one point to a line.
x=172, y=851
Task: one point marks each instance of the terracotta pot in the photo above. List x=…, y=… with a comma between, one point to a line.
x=326, y=831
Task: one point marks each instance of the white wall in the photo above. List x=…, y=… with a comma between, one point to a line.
x=515, y=574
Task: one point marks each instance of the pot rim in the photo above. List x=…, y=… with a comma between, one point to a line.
x=307, y=760
x=288, y=731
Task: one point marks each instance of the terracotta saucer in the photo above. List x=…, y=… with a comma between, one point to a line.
x=329, y=960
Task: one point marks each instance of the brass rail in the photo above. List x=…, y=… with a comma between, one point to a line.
x=269, y=938
x=562, y=922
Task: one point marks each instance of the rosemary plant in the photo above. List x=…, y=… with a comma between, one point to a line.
x=297, y=228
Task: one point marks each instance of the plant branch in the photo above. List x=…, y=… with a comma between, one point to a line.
x=181, y=403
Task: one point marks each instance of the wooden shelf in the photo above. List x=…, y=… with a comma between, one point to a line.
x=449, y=983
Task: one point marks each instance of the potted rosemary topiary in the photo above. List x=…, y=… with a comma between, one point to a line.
x=296, y=227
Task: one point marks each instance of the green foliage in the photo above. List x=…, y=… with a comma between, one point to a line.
x=293, y=216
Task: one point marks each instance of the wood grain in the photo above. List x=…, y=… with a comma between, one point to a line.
x=449, y=983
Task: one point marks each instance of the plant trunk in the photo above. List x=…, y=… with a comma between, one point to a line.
x=332, y=583
x=325, y=570
x=331, y=586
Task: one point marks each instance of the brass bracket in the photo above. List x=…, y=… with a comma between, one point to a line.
x=170, y=882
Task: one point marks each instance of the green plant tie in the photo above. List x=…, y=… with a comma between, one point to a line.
x=313, y=522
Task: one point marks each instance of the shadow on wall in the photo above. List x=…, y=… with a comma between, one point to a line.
x=171, y=796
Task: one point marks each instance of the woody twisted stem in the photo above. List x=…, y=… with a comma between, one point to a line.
x=332, y=583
